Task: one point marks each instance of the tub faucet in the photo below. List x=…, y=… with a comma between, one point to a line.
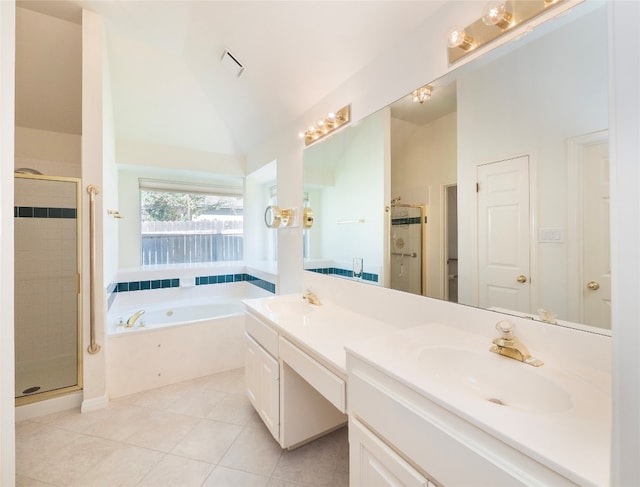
x=132, y=320
x=311, y=297
x=509, y=346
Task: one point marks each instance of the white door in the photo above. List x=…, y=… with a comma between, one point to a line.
x=596, y=268
x=504, y=235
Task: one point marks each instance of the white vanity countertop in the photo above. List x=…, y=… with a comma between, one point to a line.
x=566, y=426
x=323, y=330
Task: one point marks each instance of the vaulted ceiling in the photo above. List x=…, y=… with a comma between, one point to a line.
x=168, y=85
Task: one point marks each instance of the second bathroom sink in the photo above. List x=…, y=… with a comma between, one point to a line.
x=499, y=380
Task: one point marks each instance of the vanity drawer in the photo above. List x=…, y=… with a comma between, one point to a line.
x=266, y=336
x=332, y=387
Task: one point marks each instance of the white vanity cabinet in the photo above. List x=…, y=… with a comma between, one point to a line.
x=262, y=373
x=297, y=397
x=423, y=440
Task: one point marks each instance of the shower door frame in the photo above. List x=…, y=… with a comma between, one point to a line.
x=42, y=396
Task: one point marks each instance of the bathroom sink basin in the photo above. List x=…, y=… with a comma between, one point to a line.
x=297, y=306
x=499, y=380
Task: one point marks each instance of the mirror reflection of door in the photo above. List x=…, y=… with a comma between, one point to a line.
x=589, y=166
x=504, y=235
x=451, y=242
x=596, y=269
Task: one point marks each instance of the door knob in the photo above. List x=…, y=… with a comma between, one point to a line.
x=521, y=278
x=593, y=285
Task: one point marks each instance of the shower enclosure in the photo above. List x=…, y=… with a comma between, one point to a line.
x=47, y=287
x=408, y=248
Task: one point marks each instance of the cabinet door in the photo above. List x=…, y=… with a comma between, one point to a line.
x=373, y=464
x=251, y=358
x=262, y=377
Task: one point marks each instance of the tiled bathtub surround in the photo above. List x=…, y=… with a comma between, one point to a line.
x=122, y=287
x=366, y=276
x=175, y=282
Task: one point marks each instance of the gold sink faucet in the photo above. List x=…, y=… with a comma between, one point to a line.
x=132, y=320
x=509, y=346
x=311, y=297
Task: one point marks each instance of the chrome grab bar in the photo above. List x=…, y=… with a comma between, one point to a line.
x=404, y=254
x=93, y=190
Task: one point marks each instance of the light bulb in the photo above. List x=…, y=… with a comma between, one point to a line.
x=422, y=94
x=457, y=37
x=496, y=14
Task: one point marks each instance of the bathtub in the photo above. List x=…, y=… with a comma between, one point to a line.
x=175, y=314
x=185, y=334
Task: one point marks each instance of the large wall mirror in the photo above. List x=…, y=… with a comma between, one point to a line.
x=507, y=163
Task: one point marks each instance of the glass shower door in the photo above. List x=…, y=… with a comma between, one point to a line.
x=407, y=248
x=47, y=287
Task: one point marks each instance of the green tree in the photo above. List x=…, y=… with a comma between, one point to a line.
x=162, y=206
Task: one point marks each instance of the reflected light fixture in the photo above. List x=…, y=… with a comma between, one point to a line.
x=421, y=94
x=326, y=125
x=457, y=37
x=496, y=13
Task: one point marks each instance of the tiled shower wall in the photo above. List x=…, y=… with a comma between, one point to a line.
x=46, y=319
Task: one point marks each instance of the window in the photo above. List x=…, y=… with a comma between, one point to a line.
x=189, y=225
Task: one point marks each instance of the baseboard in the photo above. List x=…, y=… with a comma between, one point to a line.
x=94, y=404
x=49, y=406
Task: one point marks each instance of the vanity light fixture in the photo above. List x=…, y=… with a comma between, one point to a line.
x=275, y=217
x=421, y=94
x=325, y=126
x=496, y=13
x=506, y=15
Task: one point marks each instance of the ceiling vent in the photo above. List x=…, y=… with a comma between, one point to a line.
x=231, y=64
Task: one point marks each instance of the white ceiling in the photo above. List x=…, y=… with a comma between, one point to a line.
x=169, y=87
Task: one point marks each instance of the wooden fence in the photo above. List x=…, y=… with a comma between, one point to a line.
x=191, y=241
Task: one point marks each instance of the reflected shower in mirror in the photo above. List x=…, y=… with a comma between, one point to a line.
x=508, y=157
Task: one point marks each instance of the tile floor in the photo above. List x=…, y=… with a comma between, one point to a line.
x=202, y=432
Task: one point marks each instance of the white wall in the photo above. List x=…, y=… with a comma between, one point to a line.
x=624, y=111
x=169, y=157
x=419, y=172
x=111, y=229
x=93, y=147
x=48, y=74
x=530, y=102
x=7, y=366
x=259, y=241
x=45, y=145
